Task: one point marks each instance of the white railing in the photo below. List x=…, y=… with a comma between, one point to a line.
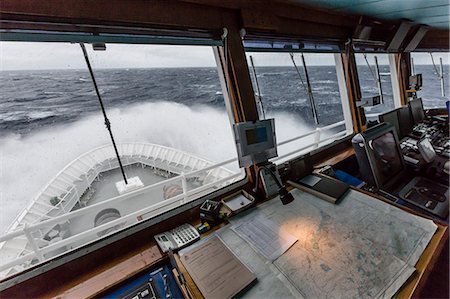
x=40, y=251
x=83, y=170
x=211, y=176
x=318, y=140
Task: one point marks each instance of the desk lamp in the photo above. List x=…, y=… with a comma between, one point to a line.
x=285, y=196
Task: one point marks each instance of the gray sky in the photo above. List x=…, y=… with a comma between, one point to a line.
x=35, y=56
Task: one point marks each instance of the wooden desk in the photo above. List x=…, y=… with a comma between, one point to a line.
x=127, y=266
x=414, y=285
x=341, y=156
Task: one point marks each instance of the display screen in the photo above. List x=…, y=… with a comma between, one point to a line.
x=392, y=118
x=255, y=141
x=256, y=135
x=417, y=110
x=387, y=157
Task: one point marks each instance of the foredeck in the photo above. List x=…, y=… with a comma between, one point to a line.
x=62, y=217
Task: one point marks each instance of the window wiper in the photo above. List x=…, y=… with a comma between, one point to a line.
x=307, y=87
x=440, y=73
x=261, y=106
x=376, y=76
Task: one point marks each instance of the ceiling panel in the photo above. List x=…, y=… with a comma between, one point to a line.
x=435, y=13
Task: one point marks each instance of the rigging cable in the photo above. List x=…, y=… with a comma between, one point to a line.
x=257, y=88
x=307, y=88
x=107, y=123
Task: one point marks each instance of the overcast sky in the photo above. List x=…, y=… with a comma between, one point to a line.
x=35, y=56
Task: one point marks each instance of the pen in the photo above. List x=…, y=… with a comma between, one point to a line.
x=179, y=275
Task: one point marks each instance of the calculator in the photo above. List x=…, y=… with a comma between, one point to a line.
x=177, y=238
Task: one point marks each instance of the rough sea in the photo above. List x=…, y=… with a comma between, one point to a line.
x=50, y=117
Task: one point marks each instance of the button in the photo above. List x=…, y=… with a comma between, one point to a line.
x=429, y=203
x=145, y=293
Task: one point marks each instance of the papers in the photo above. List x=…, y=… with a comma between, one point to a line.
x=359, y=248
x=216, y=271
x=264, y=235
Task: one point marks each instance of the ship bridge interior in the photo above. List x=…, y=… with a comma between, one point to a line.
x=327, y=120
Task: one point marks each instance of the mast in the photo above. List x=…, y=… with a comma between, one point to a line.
x=107, y=123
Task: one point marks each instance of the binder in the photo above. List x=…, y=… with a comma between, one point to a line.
x=216, y=271
x=325, y=188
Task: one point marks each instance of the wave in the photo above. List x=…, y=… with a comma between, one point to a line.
x=30, y=161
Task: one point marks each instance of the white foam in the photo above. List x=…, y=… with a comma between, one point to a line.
x=28, y=163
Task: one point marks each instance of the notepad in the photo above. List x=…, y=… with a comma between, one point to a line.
x=216, y=271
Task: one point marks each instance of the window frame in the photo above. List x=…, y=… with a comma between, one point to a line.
x=342, y=86
x=72, y=254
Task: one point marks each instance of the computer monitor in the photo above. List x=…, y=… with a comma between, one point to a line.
x=405, y=122
x=379, y=156
x=417, y=112
x=400, y=118
x=415, y=81
x=255, y=141
x=392, y=118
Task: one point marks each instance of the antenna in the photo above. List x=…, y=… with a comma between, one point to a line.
x=307, y=88
x=107, y=123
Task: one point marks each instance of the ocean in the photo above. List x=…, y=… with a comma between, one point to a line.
x=50, y=117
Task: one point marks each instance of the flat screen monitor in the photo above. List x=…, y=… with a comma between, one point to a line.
x=391, y=117
x=405, y=122
x=255, y=141
x=400, y=118
x=386, y=156
x=415, y=81
x=379, y=156
x=417, y=113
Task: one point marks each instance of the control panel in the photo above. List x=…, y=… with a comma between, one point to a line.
x=157, y=283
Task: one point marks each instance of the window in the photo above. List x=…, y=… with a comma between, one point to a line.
x=432, y=94
x=282, y=88
x=368, y=81
x=60, y=175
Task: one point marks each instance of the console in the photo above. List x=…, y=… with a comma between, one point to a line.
x=381, y=164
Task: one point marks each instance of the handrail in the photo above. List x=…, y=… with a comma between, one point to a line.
x=103, y=227
x=309, y=145
x=332, y=126
x=119, y=198
x=16, y=222
x=116, y=199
